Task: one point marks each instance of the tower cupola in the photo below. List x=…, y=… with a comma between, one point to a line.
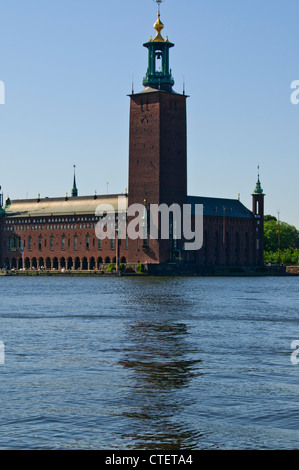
x=258, y=198
x=258, y=188
x=158, y=74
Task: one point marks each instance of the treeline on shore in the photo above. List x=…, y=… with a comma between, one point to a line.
x=281, y=242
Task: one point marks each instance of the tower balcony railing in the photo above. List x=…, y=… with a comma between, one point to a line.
x=157, y=79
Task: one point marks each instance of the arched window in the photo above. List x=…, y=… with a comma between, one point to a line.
x=92, y=263
x=87, y=238
x=84, y=264
x=75, y=242
x=63, y=242
x=77, y=263
x=70, y=263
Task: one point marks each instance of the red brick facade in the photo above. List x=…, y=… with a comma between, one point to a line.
x=64, y=241
x=70, y=242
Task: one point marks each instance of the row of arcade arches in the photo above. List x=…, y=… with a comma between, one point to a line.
x=60, y=263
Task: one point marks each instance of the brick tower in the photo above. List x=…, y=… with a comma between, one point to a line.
x=157, y=150
x=258, y=211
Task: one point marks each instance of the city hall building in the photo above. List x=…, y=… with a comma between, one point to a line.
x=60, y=233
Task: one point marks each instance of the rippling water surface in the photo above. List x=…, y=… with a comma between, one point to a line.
x=157, y=363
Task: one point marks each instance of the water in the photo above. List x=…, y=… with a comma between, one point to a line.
x=159, y=363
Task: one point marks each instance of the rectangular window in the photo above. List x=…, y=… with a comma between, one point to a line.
x=51, y=243
x=75, y=243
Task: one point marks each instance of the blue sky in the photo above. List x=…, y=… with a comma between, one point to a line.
x=67, y=66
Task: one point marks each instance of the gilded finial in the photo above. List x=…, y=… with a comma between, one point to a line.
x=159, y=26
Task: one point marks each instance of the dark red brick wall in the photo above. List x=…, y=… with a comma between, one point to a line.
x=229, y=243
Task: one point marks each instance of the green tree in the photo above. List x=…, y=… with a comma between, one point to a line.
x=111, y=267
x=289, y=235
x=141, y=268
x=287, y=252
x=269, y=217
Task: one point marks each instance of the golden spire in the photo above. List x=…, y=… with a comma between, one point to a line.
x=159, y=26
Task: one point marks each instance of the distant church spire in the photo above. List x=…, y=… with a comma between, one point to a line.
x=74, y=189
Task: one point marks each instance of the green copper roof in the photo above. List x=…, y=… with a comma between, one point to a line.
x=74, y=189
x=158, y=73
x=258, y=188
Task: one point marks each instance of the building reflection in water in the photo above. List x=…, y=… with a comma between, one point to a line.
x=162, y=364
